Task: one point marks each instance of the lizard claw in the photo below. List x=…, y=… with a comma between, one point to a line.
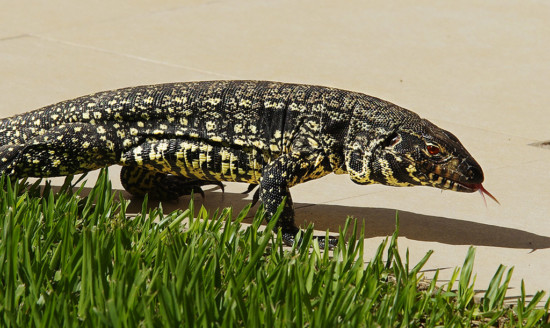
x=249, y=188
x=219, y=184
x=256, y=195
x=198, y=190
x=197, y=187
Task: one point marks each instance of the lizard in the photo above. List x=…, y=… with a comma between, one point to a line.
x=173, y=138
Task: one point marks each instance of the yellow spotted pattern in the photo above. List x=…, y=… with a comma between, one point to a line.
x=173, y=138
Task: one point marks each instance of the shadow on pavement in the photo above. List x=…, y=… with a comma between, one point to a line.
x=379, y=222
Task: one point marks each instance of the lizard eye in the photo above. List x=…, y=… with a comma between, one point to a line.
x=392, y=140
x=433, y=150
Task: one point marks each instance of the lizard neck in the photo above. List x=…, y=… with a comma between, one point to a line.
x=335, y=128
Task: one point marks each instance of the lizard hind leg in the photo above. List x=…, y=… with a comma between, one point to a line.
x=140, y=181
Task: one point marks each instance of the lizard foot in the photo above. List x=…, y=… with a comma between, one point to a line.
x=289, y=238
x=175, y=186
x=160, y=186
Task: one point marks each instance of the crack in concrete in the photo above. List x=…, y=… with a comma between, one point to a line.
x=15, y=37
x=134, y=57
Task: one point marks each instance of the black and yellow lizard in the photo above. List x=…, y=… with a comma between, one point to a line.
x=173, y=138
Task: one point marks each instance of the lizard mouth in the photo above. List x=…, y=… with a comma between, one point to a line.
x=449, y=184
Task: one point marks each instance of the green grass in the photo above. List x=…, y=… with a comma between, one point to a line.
x=73, y=261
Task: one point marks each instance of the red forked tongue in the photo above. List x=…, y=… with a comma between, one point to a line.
x=484, y=192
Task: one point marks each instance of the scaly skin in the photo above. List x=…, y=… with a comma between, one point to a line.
x=173, y=138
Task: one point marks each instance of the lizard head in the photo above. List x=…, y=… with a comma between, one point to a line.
x=402, y=149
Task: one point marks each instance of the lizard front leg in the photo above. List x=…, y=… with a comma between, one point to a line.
x=281, y=174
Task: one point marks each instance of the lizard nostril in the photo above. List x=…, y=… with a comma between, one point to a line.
x=475, y=174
